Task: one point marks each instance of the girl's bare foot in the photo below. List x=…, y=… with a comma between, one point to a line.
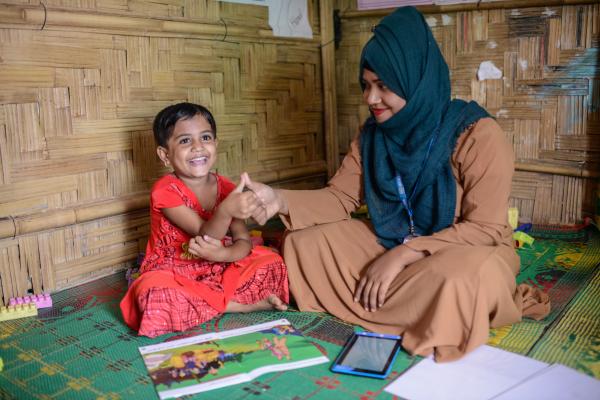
x=270, y=303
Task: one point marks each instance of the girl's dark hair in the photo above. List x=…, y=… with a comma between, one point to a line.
x=165, y=120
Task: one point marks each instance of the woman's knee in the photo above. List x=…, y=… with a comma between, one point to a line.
x=459, y=263
x=300, y=238
x=346, y=232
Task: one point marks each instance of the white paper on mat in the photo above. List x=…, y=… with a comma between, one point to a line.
x=556, y=382
x=481, y=374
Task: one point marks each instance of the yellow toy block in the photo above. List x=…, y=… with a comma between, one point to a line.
x=18, y=311
x=255, y=233
x=521, y=238
x=513, y=217
x=362, y=209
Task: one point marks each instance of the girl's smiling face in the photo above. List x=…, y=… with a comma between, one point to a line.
x=382, y=102
x=191, y=149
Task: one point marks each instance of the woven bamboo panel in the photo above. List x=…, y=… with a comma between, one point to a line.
x=80, y=82
x=547, y=101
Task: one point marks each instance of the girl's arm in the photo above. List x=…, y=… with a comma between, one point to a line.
x=237, y=204
x=212, y=249
x=242, y=245
x=185, y=219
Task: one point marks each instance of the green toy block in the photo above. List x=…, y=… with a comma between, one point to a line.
x=521, y=238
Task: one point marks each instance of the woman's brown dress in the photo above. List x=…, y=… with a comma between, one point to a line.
x=444, y=303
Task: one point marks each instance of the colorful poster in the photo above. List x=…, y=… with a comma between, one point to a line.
x=220, y=359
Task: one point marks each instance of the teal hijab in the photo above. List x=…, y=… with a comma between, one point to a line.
x=417, y=142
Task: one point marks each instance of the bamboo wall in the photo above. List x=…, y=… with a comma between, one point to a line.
x=547, y=102
x=80, y=82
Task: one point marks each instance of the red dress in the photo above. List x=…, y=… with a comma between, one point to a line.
x=175, y=291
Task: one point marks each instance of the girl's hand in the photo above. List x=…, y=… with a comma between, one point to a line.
x=208, y=248
x=374, y=284
x=240, y=204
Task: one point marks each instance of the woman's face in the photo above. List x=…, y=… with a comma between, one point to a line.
x=382, y=102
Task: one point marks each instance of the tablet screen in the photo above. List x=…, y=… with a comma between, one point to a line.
x=369, y=353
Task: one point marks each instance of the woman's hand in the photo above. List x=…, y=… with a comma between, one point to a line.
x=374, y=284
x=208, y=248
x=272, y=201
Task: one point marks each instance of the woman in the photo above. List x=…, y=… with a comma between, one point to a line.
x=437, y=265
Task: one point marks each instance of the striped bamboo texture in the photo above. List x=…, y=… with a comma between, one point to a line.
x=548, y=101
x=80, y=82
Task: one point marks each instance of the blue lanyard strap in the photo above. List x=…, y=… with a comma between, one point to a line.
x=402, y=192
x=405, y=203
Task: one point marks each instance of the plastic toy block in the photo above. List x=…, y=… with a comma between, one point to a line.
x=41, y=300
x=362, y=209
x=18, y=311
x=256, y=238
x=131, y=275
x=521, y=239
x=140, y=258
x=524, y=227
x=513, y=217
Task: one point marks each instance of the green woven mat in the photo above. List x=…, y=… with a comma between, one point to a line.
x=90, y=354
x=561, y=266
x=80, y=348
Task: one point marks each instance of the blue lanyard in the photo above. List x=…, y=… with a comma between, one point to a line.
x=406, y=204
x=402, y=193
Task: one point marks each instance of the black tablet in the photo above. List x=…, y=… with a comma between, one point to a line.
x=368, y=354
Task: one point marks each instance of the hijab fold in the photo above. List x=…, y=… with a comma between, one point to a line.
x=417, y=142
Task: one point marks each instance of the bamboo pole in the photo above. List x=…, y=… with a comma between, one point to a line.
x=329, y=92
x=479, y=6
x=22, y=225
x=12, y=227
x=32, y=223
x=557, y=170
x=28, y=17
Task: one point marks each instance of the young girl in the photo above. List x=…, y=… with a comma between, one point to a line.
x=188, y=275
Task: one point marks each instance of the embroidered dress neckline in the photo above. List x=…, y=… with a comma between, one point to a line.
x=193, y=195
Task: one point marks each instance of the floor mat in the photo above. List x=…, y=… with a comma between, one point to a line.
x=80, y=349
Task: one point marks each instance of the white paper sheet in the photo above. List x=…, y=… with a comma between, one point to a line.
x=257, y=2
x=289, y=18
x=374, y=4
x=556, y=382
x=481, y=374
x=487, y=70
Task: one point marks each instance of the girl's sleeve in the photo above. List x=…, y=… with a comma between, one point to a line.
x=332, y=203
x=484, y=163
x=226, y=187
x=167, y=195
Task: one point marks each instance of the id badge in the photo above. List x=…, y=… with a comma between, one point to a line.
x=408, y=238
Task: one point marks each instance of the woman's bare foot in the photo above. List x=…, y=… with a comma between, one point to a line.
x=270, y=303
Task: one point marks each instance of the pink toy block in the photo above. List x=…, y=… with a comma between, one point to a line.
x=18, y=311
x=40, y=300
